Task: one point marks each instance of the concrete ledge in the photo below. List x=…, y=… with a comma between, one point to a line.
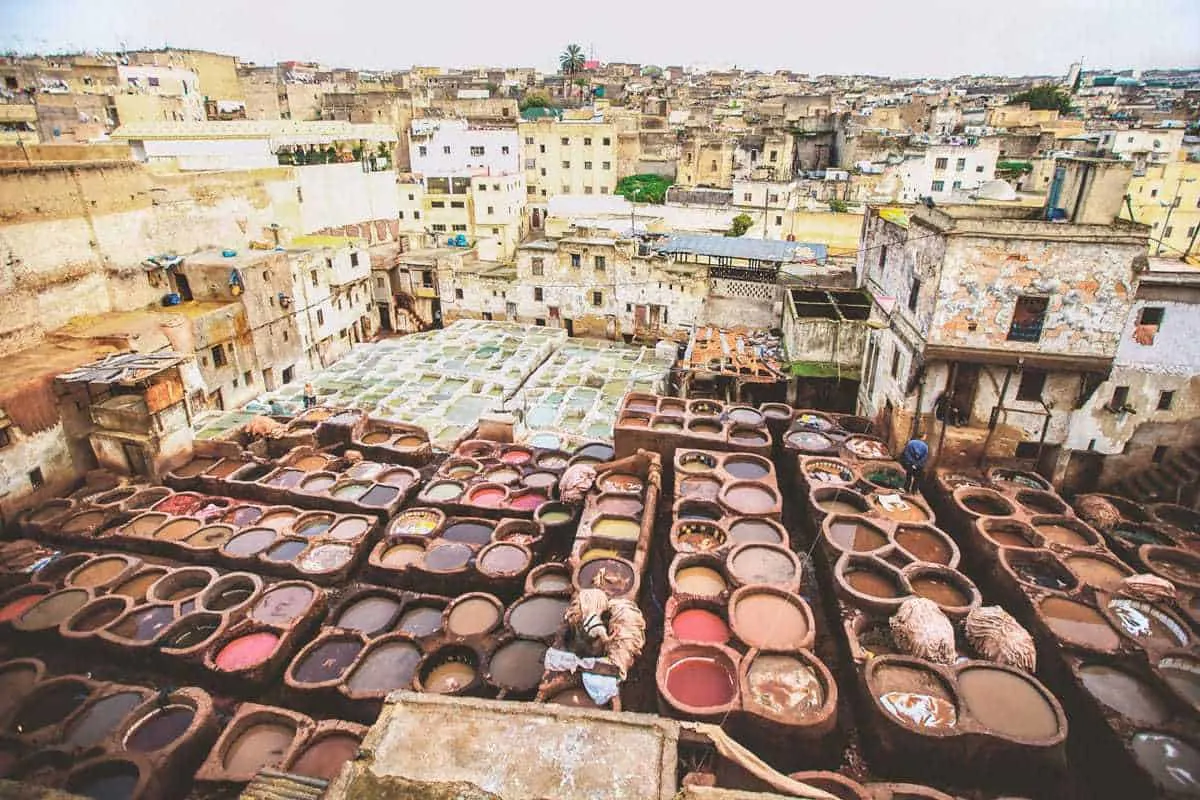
x=432, y=747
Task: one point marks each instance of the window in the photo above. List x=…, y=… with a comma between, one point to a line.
x=289, y=374
x=476, y=150
x=778, y=220
x=1149, y=320
x=882, y=257
x=248, y=378
x=774, y=156
x=446, y=150
x=313, y=276
x=543, y=172
x=438, y=204
x=1028, y=318
x=1167, y=231
x=1120, y=399
x=960, y=165
x=504, y=150
x=600, y=263
x=956, y=185
x=1033, y=381
x=746, y=196
x=424, y=151
x=458, y=294
x=481, y=187
x=412, y=197
x=537, y=294
x=774, y=198
x=320, y=317
x=496, y=187
x=1160, y=454
x=979, y=168
x=459, y=228
x=539, y=321
x=36, y=480
x=587, y=190
x=541, y=148
x=1165, y=399
x=576, y=260
x=427, y=278
x=896, y=363
x=914, y=293
x=587, y=165
x=457, y=204
x=587, y=141
x=597, y=298
x=416, y=215
x=1154, y=192
x=401, y=215
x=218, y=355
x=487, y=315
x=941, y=163
x=566, y=165
x=565, y=141
x=438, y=227
x=528, y=140
x=539, y=266
x=606, y=141
x=603, y=190
x=938, y=186
x=354, y=259
x=154, y=81
x=714, y=164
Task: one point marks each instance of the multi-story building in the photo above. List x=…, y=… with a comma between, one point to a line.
x=573, y=155
x=706, y=160
x=945, y=172
x=151, y=93
x=1166, y=196
x=997, y=318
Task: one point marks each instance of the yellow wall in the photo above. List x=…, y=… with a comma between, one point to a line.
x=1151, y=196
x=586, y=146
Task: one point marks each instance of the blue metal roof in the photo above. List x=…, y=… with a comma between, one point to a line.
x=741, y=247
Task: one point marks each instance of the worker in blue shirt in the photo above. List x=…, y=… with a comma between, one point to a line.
x=913, y=459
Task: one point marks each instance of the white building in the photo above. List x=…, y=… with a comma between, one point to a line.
x=449, y=147
x=945, y=172
x=1155, y=145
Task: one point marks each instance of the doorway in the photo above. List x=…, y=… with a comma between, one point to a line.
x=136, y=459
x=385, y=318
x=962, y=393
x=569, y=324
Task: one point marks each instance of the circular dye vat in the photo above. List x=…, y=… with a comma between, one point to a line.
x=745, y=416
x=915, y=697
x=326, y=558
x=97, y=614
x=502, y=475
x=1148, y=624
x=696, y=462
x=449, y=677
x=517, y=665
x=379, y=496
x=527, y=500
x=312, y=525
x=250, y=542
x=447, y=556
x=210, y=536
x=873, y=583
x=278, y=521
x=698, y=537
x=444, y=491
x=1181, y=567
x=619, y=504
x=191, y=631
x=516, y=455
x=553, y=514
x=110, y=780
x=282, y=604
x=18, y=607
x=1125, y=694
x=809, y=441
x=180, y=585
x=503, y=559
x=700, y=625
x=763, y=563
x=350, y=491
x=699, y=487
x=371, y=615
x=159, y=728
x=898, y=509
x=611, y=575
x=82, y=523
x=414, y=523
x=925, y=544
x=748, y=436
x=1063, y=534
x=700, y=581
x=540, y=480
x=473, y=616
x=617, y=528
x=854, y=535
x=261, y=744
x=385, y=668
x=247, y=651
x=1007, y=703
x=552, y=581
x=940, y=589
x=746, y=531
x=700, y=681
x=1182, y=673
x=1010, y=534
x=985, y=502
x=666, y=424
x=487, y=496
x=100, y=719
x=1173, y=763
x=770, y=621
x=287, y=550
x=324, y=758
x=399, y=479
x=621, y=483
x=49, y=611
x=98, y=571
x=828, y=473
x=401, y=555
x=327, y=661
x=420, y=621
x=705, y=427
x=318, y=483
x=747, y=468
x=476, y=533
x=1079, y=624
x=242, y=516
x=538, y=616
x=1097, y=572
x=49, y=705
x=783, y=685
x=145, y=624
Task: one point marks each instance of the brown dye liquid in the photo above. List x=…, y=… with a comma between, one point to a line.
x=99, y=571
x=612, y=576
x=1172, y=763
x=517, y=665
x=784, y=685
x=1127, y=695
x=1175, y=569
x=52, y=610
x=924, y=545
x=1008, y=704
x=537, y=617
x=770, y=622
x=1147, y=623
x=1008, y=537
x=1096, y=572
x=386, y=668
x=97, y=615
x=909, y=512
x=136, y=586
x=472, y=616
x=1063, y=535
x=855, y=536
x=421, y=621
x=920, y=710
x=402, y=555
x=324, y=759
x=327, y=661
x=371, y=615
x=262, y=744
x=1183, y=675
x=940, y=591
x=1079, y=623
x=449, y=677
x=763, y=564
x=840, y=507
x=750, y=499
x=15, y=683
x=177, y=529
x=280, y=606
x=872, y=583
x=746, y=469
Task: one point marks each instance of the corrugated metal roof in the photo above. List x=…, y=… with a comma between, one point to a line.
x=740, y=247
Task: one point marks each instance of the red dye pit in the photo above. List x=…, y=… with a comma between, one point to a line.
x=247, y=651
x=700, y=625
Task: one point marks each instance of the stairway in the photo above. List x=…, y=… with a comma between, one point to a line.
x=1165, y=482
x=270, y=784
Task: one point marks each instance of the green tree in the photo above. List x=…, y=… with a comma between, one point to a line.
x=741, y=224
x=1042, y=97
x=644, y=188
x=571, y=60
x=837, y=206
x=535, y=100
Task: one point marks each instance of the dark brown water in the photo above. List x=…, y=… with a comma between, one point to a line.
x=327, y=661
x=371, y=615
x=420, y=621
x=1126, y=694
x=517, y=665
x=159, y=728
x=100, y=719
x=387, y=667
x=537, y=617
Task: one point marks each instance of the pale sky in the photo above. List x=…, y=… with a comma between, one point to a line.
x=898, y=38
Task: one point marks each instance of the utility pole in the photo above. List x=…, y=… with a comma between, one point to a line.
x=1174, y=202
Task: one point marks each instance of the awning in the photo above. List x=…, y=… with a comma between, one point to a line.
x=978, y=355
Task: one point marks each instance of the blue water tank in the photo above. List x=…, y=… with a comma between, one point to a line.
x=171, y=299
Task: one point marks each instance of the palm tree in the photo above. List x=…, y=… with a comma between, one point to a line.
x=572, y=60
